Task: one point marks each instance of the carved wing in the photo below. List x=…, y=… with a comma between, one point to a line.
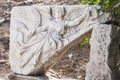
x=28, y=16
x=28, y=19
x=45, y=12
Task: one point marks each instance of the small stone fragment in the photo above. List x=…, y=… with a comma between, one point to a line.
x=1, y=20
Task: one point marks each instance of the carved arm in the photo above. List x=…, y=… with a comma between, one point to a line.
x=75, y=22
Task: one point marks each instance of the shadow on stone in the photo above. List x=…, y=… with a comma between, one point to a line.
x=13, y=76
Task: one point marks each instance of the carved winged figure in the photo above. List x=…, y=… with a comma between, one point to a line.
x=38, y=40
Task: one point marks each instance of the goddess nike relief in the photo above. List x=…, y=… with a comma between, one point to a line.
x=40, y=35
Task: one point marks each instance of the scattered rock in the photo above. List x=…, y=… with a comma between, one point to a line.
x=2, y=49
x=68, y=66
x=1, y=20
x=2, y=61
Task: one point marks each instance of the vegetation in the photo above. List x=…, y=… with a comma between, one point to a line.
x=85, y=41
x=110, y=6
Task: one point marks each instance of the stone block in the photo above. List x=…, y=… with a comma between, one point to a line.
x=13, y=76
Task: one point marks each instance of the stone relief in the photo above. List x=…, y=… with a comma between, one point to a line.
x=39, y=35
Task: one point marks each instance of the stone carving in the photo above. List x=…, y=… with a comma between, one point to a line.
x=39, y=35
x=102, y=51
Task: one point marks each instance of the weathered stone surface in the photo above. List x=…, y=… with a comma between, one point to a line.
x=13, y=76
x=102, y=47
x=39, y=35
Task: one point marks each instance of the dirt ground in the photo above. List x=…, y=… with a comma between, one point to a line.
x=72, y=64
x=4, y=47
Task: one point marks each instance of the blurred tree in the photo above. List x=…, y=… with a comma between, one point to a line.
x=110, y=6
